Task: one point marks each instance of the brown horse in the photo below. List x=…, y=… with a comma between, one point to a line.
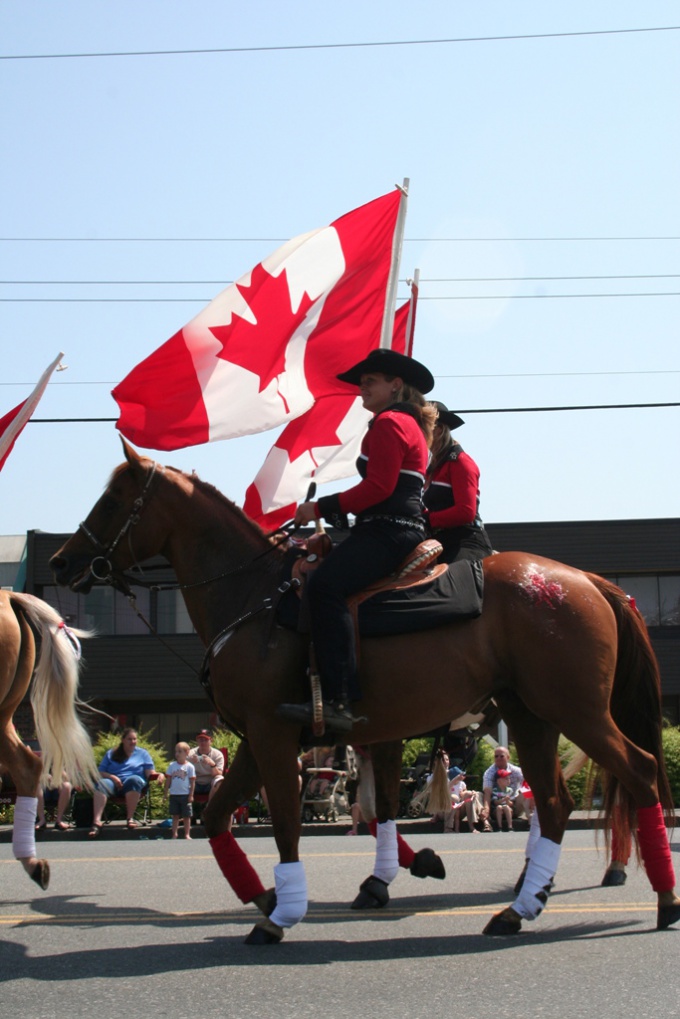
x=559, y=650
x=64, y=743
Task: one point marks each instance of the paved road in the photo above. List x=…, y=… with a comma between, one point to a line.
x=148, y=928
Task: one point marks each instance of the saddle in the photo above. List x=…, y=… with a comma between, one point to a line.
x=419, y=567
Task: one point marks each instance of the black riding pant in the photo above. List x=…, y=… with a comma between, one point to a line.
x=463, y=543
x=372, y=551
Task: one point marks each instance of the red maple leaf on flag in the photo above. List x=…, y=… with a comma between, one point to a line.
x=261, y=347
x=323, y=420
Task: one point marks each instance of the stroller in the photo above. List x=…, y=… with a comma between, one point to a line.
x=325, y=794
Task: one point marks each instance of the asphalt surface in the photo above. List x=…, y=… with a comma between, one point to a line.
x=143, y=927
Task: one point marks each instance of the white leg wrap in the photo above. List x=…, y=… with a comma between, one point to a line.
x=534, y=835
x=386, y=852
x=23, y=834
x=291, y=894
x=538, y=880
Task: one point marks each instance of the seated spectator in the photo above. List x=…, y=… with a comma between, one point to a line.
x=125, y=771
x=208, y=762
x=54, y=797
x=464, y=801
x=502, y=799
x=528, y=799
x=501, y=759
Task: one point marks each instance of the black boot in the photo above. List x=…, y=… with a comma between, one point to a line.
x=336, y=714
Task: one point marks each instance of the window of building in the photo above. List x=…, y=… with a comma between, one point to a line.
x=104, y=610
x=657, y=597
x=669, y=592
x=171, y=613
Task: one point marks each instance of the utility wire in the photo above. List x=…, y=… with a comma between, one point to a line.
x=422, y=297
x=423, y=279
x=282, y=240
x=506, y=375
x=336, y=45
x=468, y=410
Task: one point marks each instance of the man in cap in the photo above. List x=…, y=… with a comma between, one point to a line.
x=208, y=762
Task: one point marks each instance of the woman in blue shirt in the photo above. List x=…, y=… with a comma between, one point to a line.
x=125, y=771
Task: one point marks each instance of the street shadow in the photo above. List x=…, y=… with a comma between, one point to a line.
x=124, y=963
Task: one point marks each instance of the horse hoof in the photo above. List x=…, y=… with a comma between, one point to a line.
x=373, y=894
x=613, y=878
x=265, y=933
x=520, y=880
x=266, y=902
x=666, y=915
x=426, y=863
x=41, y=874
x=502, y=925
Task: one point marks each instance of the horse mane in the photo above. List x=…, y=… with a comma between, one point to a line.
x=211, y=492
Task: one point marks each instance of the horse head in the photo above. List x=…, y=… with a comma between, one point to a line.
x=116, y=534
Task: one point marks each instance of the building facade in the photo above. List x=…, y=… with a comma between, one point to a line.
x=151, y=680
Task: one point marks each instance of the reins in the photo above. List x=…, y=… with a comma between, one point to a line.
x=102, y=569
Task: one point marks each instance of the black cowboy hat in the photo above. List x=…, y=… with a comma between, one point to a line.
x=446, y=416
x=389, y=362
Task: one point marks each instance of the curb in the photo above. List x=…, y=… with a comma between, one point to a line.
x=114, y=830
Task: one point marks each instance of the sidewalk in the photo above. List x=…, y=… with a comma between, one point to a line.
x=580, y=819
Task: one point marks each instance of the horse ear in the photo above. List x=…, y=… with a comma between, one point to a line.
x=131, y=455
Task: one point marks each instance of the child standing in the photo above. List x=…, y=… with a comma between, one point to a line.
x=180, y=779
x=501, y=798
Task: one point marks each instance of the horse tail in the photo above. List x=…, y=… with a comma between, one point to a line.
x=64, y=741
x=436, y=796
x=636, y=709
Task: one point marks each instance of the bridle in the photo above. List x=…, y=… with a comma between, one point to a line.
x=102, y=569
x=100, y=566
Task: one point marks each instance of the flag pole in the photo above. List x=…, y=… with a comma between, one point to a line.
x=411, y=319
x=393, y=278
x=24, y=411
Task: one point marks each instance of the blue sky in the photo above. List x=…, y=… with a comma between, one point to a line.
x=545, y=138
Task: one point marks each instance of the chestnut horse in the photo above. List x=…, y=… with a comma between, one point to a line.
x=559, y=651
x=64, y=743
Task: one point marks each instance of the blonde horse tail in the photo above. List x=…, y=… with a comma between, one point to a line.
x=436, y=796
x=64, y=741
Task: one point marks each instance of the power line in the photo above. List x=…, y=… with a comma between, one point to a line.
x=207, y=300
x=282, y=240
x=505, y=375
x=336, y=45
x=423, y=279
x=463, y=410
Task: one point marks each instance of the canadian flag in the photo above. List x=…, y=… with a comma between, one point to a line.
x=268, y=348
x=321, y=444
x=13, y=423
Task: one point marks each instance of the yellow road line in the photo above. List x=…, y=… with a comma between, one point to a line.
x=208, y=919
x=274, y=856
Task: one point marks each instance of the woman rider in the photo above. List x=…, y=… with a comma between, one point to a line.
x=452, y=494
x=387, y=505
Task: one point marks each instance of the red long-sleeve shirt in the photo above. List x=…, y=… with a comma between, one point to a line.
x=454, y=488
x=393, y=448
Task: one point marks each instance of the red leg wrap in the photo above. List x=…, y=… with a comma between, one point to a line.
x=406, y=854
x=236, y=867
x=654, y=848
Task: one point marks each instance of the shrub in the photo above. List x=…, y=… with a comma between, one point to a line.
x=412, y=749
x=225, y=738
x=671, y=752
